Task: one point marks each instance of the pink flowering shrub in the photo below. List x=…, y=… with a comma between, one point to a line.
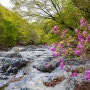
x=87, y=75
x=73, y=46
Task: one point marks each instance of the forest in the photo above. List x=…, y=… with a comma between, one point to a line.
x=23, y=27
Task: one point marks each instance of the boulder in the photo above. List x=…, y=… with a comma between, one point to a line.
x=41, y=66
x=14, y=55
x=12, y=62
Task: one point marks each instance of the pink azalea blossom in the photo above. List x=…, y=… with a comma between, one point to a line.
x=85, y=23
x=81, y=21
x=76, y=31
x=61, y=36
x=81, y=41
x=79, y=46
x=56, y=32
x=55, y=27
x=47, y=65
x=86, y=77
x=58, y=54
x=64, y=32
x=88, y=72
x=52, y=49
x=79, y=36
x=53, y=54
x=61, y=65
x=52, y=30
x=60, y=59
x=64, y=52
x=88, y=38
x=82, y=50
x=81, y=25
x=89, y=28
x=60, y=46
x=84, y=32
x=74, y=74
x=77, y=52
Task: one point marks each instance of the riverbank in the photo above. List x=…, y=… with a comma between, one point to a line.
x=27, y=69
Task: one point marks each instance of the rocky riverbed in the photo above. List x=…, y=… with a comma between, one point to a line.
x=24, y=68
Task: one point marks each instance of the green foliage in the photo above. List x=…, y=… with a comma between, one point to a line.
x=84, y=7
x=14, y=30
x=8, y=33
x=62, y=13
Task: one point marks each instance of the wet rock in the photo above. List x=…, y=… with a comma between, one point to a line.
x=3, y=77
x=74, y=61
x=10, y=70
x=4, y=67
x=41, y=66
x=36, y=82
x=1, y=69
x=15, y=63
x=31, y=48
x=13, y=70
x=15, y=49
x=1, y=58
x=23, y=62
x=39, y=49
x=3, y=83
x=87, y=66
x=25, y=88
x=22, y=48
x=38, y=55
x=14, y=55
x=11, y=65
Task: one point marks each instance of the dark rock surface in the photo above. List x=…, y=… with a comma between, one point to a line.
x=75, y=62
x=12, y=62
x=25, y=88
x=14, y=55
x=41, y=66
x=54, y=63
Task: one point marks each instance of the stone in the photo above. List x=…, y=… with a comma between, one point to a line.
x=25, y=88
x=4, y=67
x=3, y=83
x=15, y=70
x=14, y=55
x=15, y=63
x=74, y=62
x=9, y=70
x=41, y=66
x=4, y=77
x=23, y=62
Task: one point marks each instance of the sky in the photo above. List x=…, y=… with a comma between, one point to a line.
x=6, y=3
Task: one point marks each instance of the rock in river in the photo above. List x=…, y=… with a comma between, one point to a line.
x=12, y=62
x=41, y=66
